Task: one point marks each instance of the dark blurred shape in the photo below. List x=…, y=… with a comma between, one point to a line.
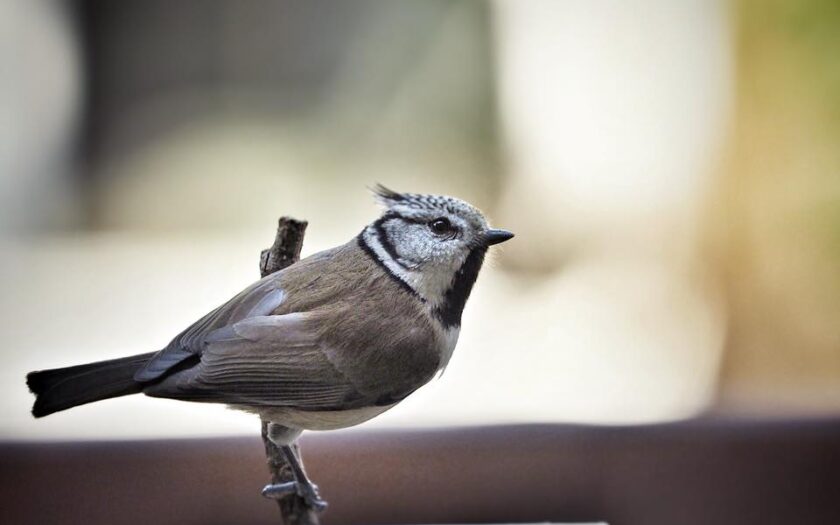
x=312, y=77
x=288, y=58
x=200, y=52
x=695, y=472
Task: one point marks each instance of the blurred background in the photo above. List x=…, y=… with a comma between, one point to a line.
x=671, y=170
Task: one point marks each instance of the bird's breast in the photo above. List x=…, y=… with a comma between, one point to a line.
x=448, y=341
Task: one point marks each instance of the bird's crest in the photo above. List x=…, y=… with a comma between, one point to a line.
x=386, y=196
x=412, y=202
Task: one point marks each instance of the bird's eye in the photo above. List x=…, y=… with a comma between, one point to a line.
x=441, y=226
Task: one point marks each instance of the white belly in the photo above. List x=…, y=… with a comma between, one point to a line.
x=323, y=420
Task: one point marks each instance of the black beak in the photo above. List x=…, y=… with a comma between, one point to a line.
x=492, y=237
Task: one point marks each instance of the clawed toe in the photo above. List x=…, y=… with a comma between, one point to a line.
x=307, y=491
x=278, y=490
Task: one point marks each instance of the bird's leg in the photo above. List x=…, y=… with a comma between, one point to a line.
x=283, y=437
x=302, y=486
x=306, y=489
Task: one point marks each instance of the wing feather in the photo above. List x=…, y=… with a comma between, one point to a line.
x=264, y=361
x=259, y=299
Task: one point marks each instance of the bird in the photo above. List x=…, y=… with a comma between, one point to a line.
x=328, y=342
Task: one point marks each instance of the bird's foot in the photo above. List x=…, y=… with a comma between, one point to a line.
x=307, y=491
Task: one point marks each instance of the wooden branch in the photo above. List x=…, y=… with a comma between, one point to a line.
x=286, y=248
x=284, y=252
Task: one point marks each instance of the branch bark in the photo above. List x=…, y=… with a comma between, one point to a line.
x=284, y=252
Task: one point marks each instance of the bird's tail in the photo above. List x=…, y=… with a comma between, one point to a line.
x=62, y=388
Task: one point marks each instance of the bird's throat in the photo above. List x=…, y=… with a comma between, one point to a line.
x=450, y=308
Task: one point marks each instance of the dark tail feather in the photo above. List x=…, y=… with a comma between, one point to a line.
x=62, y=388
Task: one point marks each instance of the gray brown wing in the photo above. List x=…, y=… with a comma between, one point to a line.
x=261, y=298
x=264, y=361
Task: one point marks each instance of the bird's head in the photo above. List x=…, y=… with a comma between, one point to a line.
x=434, y=243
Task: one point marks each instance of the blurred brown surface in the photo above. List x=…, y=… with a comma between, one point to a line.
x=701, y=471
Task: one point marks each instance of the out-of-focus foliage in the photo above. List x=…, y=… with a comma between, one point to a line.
x=814, y=29
x=778, y=209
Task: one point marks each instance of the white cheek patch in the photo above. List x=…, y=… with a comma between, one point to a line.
x=408, y=242
x=429, y=283
x=400, y=270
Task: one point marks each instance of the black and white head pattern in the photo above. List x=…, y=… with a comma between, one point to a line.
x=432, y=245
